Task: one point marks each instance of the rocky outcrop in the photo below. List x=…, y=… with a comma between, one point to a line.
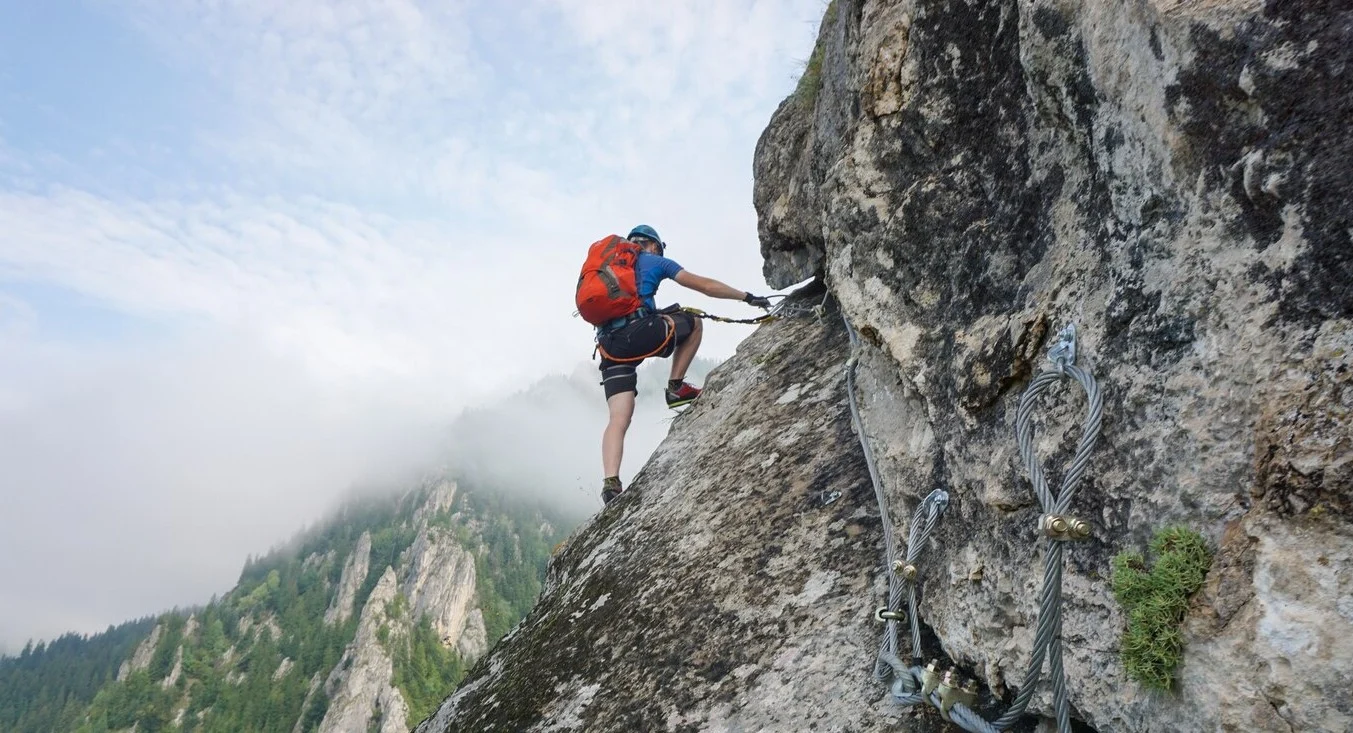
x=354, y=575
x=360, y=688
x=268, y=625
x=732, y=587
x=145, y=651
x=175, y=671
x=440, y=583
x=315, y=681
x=317, y=561
x=474, y=639
x=966, y=178
x=441, y=498
x=1165, y=176
x=283, y=668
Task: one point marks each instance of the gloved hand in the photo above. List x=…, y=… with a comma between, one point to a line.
x=756, y=300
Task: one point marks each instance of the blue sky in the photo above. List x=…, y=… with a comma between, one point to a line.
x=254, y=252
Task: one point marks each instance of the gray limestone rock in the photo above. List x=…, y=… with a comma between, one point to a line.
x=1174, y=179
x=283, y=668
x=435, y=578
x=440, y=582
x=315, y=681
x=174, y=672
x=141, y=657
x=360, y=688
x=354, y=574
x=731, y=588
x=474, y=639
x=1167, y=176
x=440, y=499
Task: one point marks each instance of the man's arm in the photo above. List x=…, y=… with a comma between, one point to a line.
x=708, y=286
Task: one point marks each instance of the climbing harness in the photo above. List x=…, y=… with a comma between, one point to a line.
x=721, y=319
x=783, y=309
x=671, y=331
x=780, y=311
x=955, y=699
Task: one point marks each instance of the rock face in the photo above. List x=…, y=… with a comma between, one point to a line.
x=730, y=588
x=439, y=580
x=176, y=671
x=1164, y=175
x=360, y=688
x=474, y=640
x=354, y=574
x=440, y=583
x=145, y=651
x=442, y=497
x=1173, y=178
x=283, y=669
x=315, y=682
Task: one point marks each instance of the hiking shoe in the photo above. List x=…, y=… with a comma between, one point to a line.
x=683, y=395
x=610, y=488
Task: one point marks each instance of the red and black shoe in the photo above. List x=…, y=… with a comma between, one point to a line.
x=684, y=394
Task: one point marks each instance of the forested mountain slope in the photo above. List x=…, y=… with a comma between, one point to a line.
x=365, y=621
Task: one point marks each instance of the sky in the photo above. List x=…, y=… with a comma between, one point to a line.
x=255, y=253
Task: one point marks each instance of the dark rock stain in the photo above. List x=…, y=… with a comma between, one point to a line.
x=1285, y=135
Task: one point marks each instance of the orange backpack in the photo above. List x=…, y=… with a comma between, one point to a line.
x=607, y=286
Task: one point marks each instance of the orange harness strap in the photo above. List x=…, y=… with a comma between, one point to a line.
x=671, y=331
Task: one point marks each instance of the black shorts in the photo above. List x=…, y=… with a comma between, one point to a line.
x=644, y=338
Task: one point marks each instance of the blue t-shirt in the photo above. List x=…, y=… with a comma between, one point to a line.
x=649, y=273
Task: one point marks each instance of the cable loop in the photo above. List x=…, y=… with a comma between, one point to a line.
x=915, y=684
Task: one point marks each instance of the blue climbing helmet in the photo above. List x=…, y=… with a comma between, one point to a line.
x=647, y=232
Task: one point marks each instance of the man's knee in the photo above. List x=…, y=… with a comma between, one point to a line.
x=620, y=417
x=687, y=326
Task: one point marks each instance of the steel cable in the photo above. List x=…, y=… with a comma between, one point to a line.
x=907, y=687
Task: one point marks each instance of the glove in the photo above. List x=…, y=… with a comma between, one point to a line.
x=756, y=300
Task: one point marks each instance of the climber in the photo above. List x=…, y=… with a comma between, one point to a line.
x=648, y=332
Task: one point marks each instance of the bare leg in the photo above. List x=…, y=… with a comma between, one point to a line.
x=685, y=353
x=621, y=408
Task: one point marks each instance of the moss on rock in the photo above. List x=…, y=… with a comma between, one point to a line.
x=1155, y=600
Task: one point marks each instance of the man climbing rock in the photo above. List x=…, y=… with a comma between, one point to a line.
x=647, y=332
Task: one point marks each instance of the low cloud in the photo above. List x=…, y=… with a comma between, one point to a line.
x=136, y=481
x=139, y=481
x=331, y=227
x=544, y=442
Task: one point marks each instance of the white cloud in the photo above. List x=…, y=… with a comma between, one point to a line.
x=17, y=318
x=139, y=481
x=377, y=59
x=376, y=222
x=348, y=292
